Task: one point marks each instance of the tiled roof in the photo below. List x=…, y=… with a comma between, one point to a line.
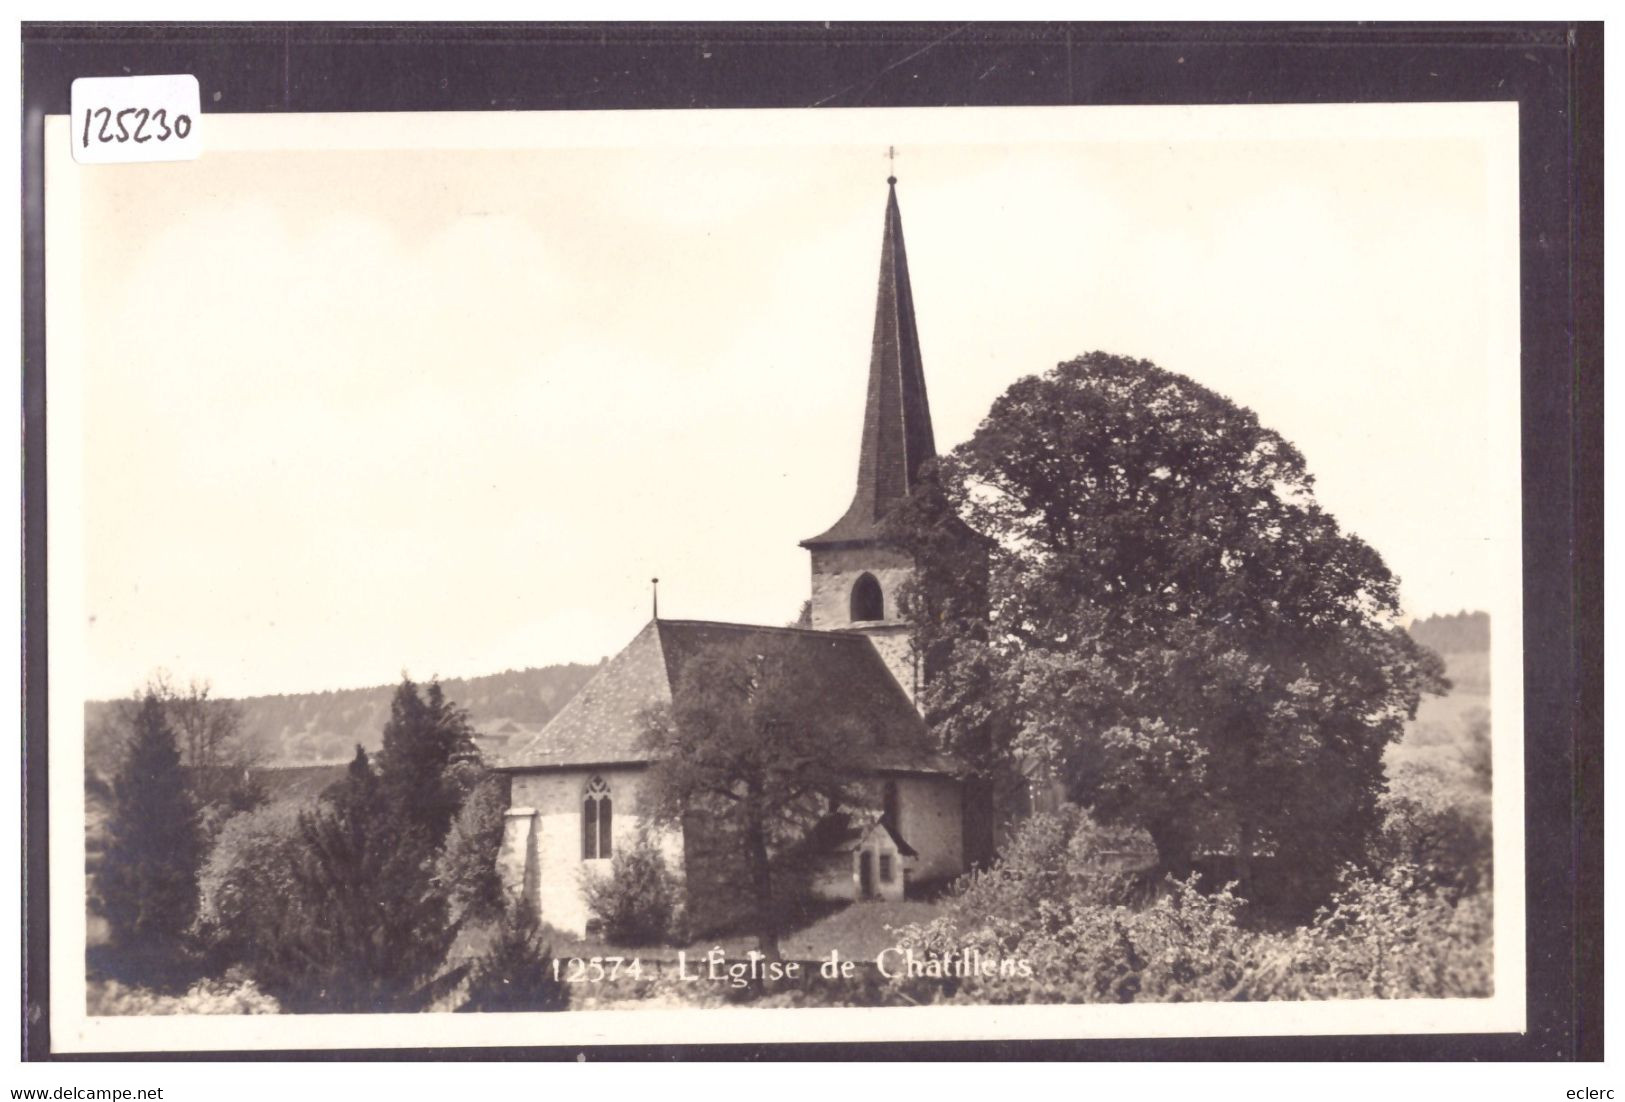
x=842, y=832
x=897, y=436
x=602, y=724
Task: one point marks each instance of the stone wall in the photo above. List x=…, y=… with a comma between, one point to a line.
x=840, y=876
x=930, y=818
x=835, y=570
x=541, y=849
x=550, y=803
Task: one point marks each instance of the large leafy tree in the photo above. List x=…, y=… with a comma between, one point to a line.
x=752, y=749
x=218, y=759
x=148, y=880
x=217, y=762
x=1161, y=617
x=247, y=887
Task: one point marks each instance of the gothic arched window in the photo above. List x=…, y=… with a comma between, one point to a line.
x=596, y=821
x=867, y=602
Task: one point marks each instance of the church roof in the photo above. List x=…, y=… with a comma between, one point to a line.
x=602, y=724
x=897, y=437
x=845, y=831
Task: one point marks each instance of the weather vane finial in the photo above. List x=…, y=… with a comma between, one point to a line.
x=891, y=164
x=654, y=584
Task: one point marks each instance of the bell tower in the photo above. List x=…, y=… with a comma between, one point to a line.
x=856, y=576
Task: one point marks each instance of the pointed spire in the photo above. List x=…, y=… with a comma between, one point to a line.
x=897, y=436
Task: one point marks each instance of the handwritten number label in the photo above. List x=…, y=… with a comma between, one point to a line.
x=128, y=119
x=136, y=124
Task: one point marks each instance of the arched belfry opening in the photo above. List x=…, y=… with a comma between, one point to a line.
x=868, y=603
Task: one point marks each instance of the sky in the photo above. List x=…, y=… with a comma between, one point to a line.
x=352, y=409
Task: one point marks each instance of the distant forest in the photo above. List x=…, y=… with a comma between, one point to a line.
x=1454, y=633
x=301, y=729
x=324, y=728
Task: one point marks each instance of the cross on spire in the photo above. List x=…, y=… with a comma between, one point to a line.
x=897, y=438
x=891, y=164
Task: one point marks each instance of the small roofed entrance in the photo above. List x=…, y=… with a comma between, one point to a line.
x=858, y=856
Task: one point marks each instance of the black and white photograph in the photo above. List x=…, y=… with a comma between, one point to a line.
x=991, y=571
x=766, y=542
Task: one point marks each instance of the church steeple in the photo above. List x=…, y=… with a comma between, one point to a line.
x=856, y=576
x=897, y=437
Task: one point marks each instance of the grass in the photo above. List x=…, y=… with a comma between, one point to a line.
x=859, y=930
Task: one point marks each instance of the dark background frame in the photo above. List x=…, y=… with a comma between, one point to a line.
x=1553, y=71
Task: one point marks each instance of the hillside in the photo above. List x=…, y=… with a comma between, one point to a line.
x=1443, y=735
x=1454, y=633
x=300, y=729
x=303, y=729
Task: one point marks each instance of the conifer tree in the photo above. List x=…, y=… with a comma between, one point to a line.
x=426, y=740
x=374, y=916
x=372, y=925
x=467, y=865
x=516, y=972
x=148, y=883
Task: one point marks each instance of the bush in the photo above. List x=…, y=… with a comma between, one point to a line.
x=637, y=903
x=227, y=996
x=1062, y=854
x=247, y=888
x=1440, y=829
x=1393, y=937
x=1060, y=927
x=516, y=972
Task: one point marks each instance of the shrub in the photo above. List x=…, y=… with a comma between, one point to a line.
x=1185, y=946
x=247, y=888
x=1439, y=829
x=1061, y=854
x=636, y=904
x=1391, y=937
x=228, y=996
x=1060, y=929
x=516, y=972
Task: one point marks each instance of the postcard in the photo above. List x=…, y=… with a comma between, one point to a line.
x=562, y=578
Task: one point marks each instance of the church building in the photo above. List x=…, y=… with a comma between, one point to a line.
x=575, y=787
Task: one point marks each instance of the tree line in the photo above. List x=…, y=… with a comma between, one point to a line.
x=322, y=727
x=348, y=904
